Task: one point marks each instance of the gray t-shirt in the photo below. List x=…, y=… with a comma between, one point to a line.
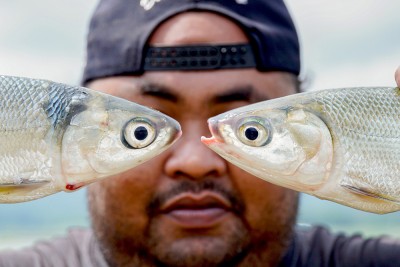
x=77, y=248
x=311, y=247
x=316, y=246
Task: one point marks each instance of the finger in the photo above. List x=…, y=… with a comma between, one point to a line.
x=397, y=76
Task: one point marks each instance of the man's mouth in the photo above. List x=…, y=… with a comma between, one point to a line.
x=197, y=210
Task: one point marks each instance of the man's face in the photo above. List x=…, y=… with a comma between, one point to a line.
x=188, y=206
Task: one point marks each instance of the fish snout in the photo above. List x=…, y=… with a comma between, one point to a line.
x=174, y=129
x=215, y=134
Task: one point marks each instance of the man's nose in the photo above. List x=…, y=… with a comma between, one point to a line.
x=191, y=159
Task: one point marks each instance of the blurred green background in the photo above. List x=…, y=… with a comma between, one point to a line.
x=344, y=43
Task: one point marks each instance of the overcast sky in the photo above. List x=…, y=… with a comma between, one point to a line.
x=348, y=43
x=344, y=43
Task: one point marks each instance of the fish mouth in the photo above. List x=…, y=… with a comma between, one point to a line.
x=174, y=128
x=177, y=135
x=196, y=210
x=215, y=136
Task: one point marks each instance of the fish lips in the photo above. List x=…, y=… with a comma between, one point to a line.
x=215, y=136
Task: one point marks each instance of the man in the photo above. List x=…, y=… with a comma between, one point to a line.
x=188, y=206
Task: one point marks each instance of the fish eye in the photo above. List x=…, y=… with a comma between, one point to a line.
x=138, y=133
x=254, y=131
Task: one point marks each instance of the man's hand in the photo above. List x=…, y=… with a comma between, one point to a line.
x=397, y=76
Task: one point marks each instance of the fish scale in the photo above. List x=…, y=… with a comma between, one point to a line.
x=19, y=103
x=358, y=122
x=24, y=135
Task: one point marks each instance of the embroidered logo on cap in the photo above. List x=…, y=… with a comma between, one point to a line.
x=148, y=4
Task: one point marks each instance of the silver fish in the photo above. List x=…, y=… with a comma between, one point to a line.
x=55, y=137
x=341, y=145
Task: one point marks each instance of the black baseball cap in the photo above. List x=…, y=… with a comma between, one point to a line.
x=119, y=30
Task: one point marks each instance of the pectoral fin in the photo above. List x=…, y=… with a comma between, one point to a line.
x=367, y=192
x=23, y=182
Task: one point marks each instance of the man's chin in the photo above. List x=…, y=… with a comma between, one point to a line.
x=200, y=251
x=230, y=245
x=175, y=243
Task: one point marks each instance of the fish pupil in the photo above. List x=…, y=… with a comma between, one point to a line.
x=141, y=133
x=251, y=133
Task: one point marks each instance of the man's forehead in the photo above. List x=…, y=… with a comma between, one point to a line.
x=197, y=28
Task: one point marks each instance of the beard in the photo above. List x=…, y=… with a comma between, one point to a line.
x=237, y=245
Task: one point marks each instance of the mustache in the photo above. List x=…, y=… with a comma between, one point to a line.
x=196, y=187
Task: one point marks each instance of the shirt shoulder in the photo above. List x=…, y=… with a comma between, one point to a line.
x=77, y=248
x=317, y=246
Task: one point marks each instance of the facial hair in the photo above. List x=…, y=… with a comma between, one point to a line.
x=242, y=246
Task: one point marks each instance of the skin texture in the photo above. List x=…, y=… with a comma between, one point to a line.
x=397, y=76
x=230, y=218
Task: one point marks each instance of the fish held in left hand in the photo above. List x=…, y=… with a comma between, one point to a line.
x=55, y=137
x=341, y=145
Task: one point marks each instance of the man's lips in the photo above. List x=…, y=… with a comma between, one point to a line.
x=201, y=210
